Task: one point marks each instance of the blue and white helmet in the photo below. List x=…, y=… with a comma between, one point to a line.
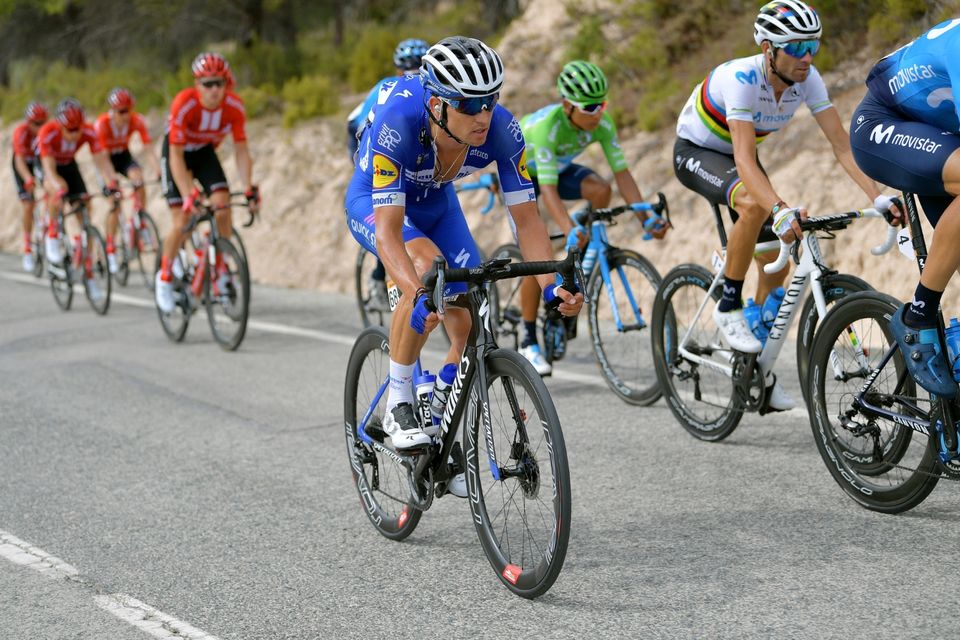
x=408, y=53
x=784, y=20
x=460, y=67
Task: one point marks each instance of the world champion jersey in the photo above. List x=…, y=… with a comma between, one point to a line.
x=397, y=158
x=739, y=90
x=921, y=79
x=554, y=142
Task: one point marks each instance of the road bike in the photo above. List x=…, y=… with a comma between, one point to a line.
x=209, y=271
x=515, y=458
x=375, y=309
x=621, y=283
x=84, y=259
x=885, y=440
x=707, y=385
x=137, y=240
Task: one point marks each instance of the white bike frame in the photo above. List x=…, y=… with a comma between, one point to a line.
x=809, y=271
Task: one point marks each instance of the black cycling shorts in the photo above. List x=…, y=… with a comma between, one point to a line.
x=203, y=163
x=568, y=182
x=70, y=173
x=714, y=176
x=122, y=162
x=902, y=153
x=22, y=193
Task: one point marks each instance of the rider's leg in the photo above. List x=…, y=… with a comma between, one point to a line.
x=27, y=223
x=529, y=305
x=173, y=241
x=944, y=258
x=221, y=198
x=596, y=190
x=135, y=175
x=740, y=246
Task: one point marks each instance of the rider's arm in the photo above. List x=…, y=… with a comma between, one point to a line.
x=558, y=213
x=832, y=128
x=178, y=169
x=52, y=181
x=141, y=128
x=388, y=225
x=244, y=164
x=745, y=157
x=22, y=169
x=102, y=162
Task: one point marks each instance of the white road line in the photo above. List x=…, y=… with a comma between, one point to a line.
x=288, y=330
x=129, y=609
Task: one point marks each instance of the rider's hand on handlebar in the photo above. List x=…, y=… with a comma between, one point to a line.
x=655, y=226
x=786, y=222
x=253, y=198
x=111, y=189
x=189, y=204
x=422, y=319
x=571, y=304
x=886, y=204
x=576, y=237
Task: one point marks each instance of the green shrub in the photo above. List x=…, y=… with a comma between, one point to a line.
x=308, y=97
x=372, y=58
x=258, y=101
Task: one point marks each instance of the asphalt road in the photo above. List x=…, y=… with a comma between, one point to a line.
x=212, y=489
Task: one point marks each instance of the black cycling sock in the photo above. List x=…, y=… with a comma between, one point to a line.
x=529, y=334
x=921, y=312
x=732, y=292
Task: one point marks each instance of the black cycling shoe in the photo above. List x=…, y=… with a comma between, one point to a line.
x=924, y=356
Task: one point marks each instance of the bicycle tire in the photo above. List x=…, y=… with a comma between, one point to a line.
x=625, y=358
x=99, y=270
x=367, y=367
x=504, y=297
x=176, y=323
x=62, y=288
x=149, y=249
x=672, y=369
x=516, y=392
x=836, y=286
x=228, y=311
x=36, y=246
x=123, y=264
x=237, y=242
x=909, y=470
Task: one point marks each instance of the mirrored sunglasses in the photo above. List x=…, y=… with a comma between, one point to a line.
x=473, y=106
x=800, y=48
x=123, y=112
x=216, y=82
x=71, y=129
x=592, y=108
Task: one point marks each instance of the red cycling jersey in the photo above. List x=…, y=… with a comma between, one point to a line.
x=194, y=127
x=51, y=142
x=116, y=139
x=23, y=142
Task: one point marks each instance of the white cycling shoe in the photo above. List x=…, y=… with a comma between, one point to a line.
x=458, y=485
x=52, y=250
x=735, y=331
x=28, y=262
x=778, y=399
x=400, y=424
x=112, y=263
x=94, y=290
x=164, y=295
x=533, y=354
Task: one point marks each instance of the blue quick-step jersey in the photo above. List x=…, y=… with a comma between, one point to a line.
x=397, y=159
x=922, y=79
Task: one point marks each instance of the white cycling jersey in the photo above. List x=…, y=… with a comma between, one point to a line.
x=739, y=90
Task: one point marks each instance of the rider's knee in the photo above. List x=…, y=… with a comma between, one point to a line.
x=597, y=190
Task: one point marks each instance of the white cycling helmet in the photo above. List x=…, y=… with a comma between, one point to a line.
x=460, y=67
x=784, y=20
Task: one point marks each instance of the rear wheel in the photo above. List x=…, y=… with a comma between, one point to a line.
x=176, y=322
x=227, y=296
x=61, y=279
x=517, y=476
x=507, y=322
x=381, y=483
x=96, y=271
x=36, y=244
x=373, y=307
x=124, y=254
x=694, y=380
x=624, y=350
x=882, y=464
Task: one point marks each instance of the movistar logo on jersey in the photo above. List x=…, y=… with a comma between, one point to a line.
x=385, y=171
x=693, y=166
x=881, y=135
x=909, y=75
x=746, y=78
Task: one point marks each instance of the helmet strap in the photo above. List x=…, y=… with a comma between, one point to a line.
x=442, y=122
x=773, y=67
x=569, y=115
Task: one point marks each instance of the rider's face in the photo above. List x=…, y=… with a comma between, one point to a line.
x=472, y=129
x=212, y=91
x=797, y=69
x=586, y=117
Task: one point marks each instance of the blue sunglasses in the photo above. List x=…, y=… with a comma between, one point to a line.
x=801, y=48
x=473, y=106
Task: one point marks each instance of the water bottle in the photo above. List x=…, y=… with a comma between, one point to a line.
x=423, y=386
x=952, y=335
x=751, y=313
x=589, y=257
x=770, y=308
x=441, y=392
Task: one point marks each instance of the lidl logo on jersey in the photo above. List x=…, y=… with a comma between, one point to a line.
x=385, y=171
x=522, y=165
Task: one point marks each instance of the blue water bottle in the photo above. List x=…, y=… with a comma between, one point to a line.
x=952, y=335
x=751, y=313
x=770, y=307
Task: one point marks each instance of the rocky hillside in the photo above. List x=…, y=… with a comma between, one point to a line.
x=302, y=241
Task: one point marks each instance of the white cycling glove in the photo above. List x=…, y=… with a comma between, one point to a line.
x=782, y=219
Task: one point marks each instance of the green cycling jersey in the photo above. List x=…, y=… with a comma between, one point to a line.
x=553, y=142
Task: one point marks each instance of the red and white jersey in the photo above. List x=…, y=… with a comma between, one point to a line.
x=194, y=127
x=116, y=139
x=23, y=142
x=52, y=143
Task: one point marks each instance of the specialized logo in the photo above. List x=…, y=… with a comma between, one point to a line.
x=919, y=304
x=388, y=138
x=462, y=258
x=385, y=172
x=746, y=78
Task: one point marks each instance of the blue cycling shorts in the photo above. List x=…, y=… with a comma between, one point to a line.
x=903, y=153
x=437, y=217
x=568, y=182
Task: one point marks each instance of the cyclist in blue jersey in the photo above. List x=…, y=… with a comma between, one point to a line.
x=401, y=205
x=406, y=58
x=905, y=134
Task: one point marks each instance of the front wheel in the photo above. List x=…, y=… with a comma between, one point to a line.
x=149, y=248
x=227, y=296
x=517, y=475
x=882, y=464
x=693, y=363
x=61, y=279
x=836, y=286
x=620, y=308
x=380, y=481
x=96, y=271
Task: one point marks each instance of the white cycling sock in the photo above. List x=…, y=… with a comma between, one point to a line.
x=401, y=384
